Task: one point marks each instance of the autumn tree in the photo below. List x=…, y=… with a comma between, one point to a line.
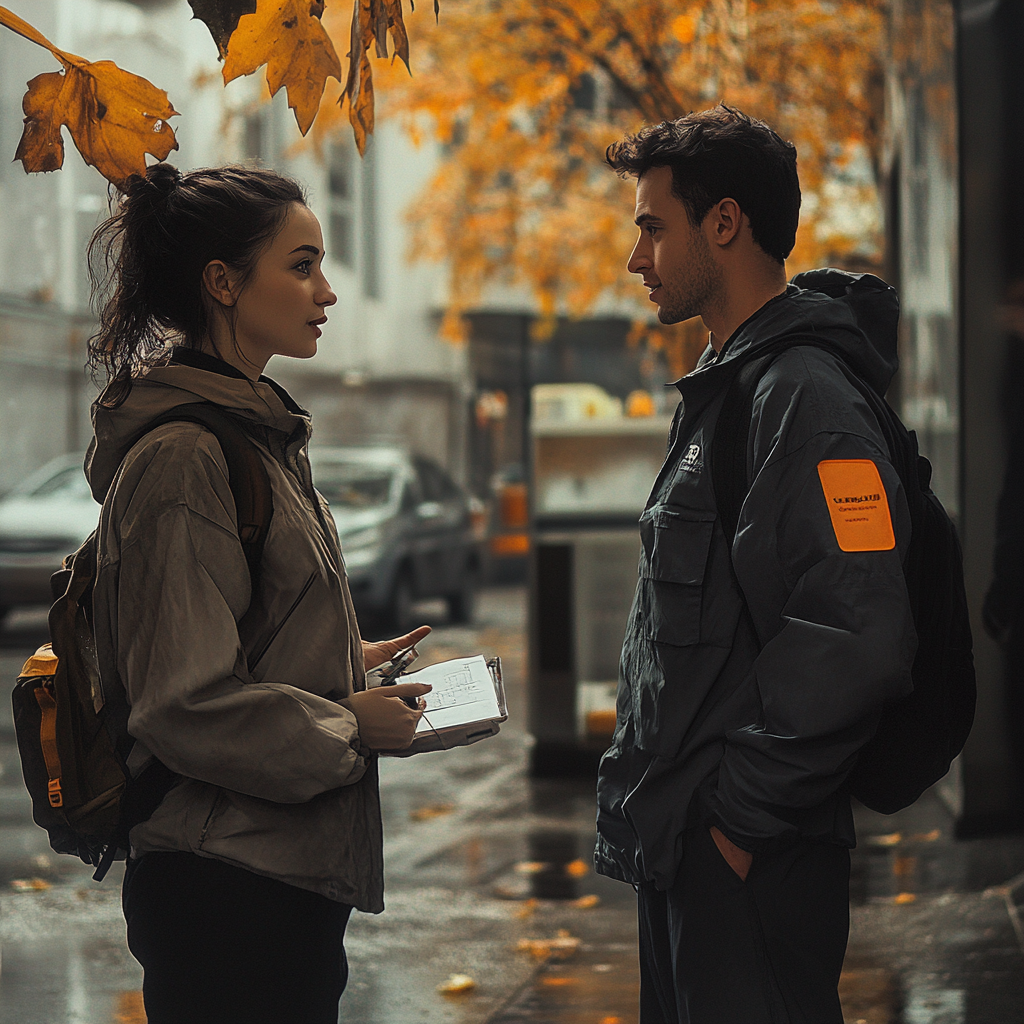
x=525, y=95
x=116, y=118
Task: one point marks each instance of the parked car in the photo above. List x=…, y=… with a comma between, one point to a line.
x=408, y=531
x=43, y=519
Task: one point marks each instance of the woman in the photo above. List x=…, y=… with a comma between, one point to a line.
x=240, y=884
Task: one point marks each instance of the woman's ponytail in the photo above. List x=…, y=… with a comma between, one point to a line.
x=146, y=261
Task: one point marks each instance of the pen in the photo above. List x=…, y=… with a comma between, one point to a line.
x=399, y=663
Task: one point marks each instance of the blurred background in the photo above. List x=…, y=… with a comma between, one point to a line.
x=489, y=398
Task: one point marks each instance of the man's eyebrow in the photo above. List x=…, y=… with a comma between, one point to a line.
x=646, y=218
x=306, y=248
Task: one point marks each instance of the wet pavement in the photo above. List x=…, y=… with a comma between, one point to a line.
x=489, y=888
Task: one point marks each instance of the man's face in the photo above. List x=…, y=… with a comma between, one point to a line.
x=673, y=257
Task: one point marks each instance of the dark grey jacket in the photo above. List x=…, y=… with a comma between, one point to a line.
x=753, y=721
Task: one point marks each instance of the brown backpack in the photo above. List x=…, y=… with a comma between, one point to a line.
x=72, y=732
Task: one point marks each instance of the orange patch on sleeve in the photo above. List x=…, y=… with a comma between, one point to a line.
x=857, y=504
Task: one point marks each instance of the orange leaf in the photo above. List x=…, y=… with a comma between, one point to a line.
x=288, y=37
x=221, y=18
x=359, y=86
x=115, y=118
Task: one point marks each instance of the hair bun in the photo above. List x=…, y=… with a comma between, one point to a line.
x=166, y=177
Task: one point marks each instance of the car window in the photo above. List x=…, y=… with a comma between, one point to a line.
x=436, y=484
x=410, y=495
x=69, y=484
x=354, y=485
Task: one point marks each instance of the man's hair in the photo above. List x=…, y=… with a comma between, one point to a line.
x=718, y=154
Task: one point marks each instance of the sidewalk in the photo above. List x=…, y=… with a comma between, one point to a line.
x=936, y=935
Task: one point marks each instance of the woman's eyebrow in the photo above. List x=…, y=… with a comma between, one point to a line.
x=305, y=248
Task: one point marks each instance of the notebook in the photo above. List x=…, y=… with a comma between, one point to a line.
x=466, y=704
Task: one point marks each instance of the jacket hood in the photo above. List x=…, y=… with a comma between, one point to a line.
x=158, y=389
x=857, y=314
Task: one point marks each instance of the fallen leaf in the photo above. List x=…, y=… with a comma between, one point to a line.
x=611, y=1020
x=892, y=839
x=115, y=118
x=558, y=982
x=527, y=909
x=431, y=811
x=586, y=902
x=289, y=38
x=30, y=884
x=903, y=898
x=221, y=18
x=577, y=868
x=562, y=946
x=530, y=867
x=456, y=985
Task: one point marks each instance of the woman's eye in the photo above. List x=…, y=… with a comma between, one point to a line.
x=304, y=267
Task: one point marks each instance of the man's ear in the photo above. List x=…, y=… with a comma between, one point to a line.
x=218, y=282
x=724, y=220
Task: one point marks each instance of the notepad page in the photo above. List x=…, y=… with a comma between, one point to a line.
x=463, y=693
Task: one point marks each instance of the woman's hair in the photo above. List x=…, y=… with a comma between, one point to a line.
x=146, y=261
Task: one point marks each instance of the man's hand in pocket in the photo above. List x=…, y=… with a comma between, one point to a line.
x=739, y=860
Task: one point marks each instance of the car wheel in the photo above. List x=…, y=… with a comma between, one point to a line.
x=462, y=604
x=402, y=597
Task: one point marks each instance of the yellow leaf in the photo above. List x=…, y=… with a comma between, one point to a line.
x=456, y=985
x=684, y=28
x=115, y=118
x=298, y=52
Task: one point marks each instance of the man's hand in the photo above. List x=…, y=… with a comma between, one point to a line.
x=739, y=860
x=384, y=650
x=385, y=721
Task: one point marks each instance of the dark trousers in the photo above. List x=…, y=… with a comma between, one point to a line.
x=717, y=950
x=221, y=945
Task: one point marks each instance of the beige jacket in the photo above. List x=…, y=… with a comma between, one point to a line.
x=273, y=776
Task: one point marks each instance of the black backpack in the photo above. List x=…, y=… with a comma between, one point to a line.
x=72, y=734
x=918, y=736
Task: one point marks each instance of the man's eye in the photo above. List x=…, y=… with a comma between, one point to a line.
x=650, y=228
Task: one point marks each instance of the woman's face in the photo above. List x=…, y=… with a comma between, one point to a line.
x=281, y=309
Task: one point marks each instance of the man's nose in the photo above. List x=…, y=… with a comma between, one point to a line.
x=639, y=259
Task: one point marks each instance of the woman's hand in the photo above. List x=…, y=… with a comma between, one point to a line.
x=384, y=650
x=385, y=722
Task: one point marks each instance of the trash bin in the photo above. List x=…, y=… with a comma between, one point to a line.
x=590, y=479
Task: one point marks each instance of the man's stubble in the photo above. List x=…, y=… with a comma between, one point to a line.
x=697, y=288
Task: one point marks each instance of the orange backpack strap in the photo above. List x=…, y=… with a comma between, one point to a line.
x=48, y=741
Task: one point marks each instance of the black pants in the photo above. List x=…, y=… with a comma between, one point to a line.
x=717, y=950
x=220, y=945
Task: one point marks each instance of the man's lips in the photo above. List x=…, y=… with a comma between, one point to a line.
x=651, y=289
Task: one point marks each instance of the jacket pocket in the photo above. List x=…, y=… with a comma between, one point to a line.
x=676, y=542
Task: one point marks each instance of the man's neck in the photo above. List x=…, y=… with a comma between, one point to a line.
x=741, y=300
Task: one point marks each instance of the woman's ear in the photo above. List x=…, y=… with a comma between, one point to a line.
x=217, y=280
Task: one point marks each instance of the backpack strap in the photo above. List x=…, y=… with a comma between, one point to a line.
x=247, y=475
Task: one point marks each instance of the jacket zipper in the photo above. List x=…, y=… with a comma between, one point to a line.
x=217, y=800
x=273, y=636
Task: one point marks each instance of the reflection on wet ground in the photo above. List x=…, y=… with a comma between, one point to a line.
x=490, y=894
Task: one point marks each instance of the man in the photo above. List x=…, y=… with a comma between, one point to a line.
x=751, y=674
